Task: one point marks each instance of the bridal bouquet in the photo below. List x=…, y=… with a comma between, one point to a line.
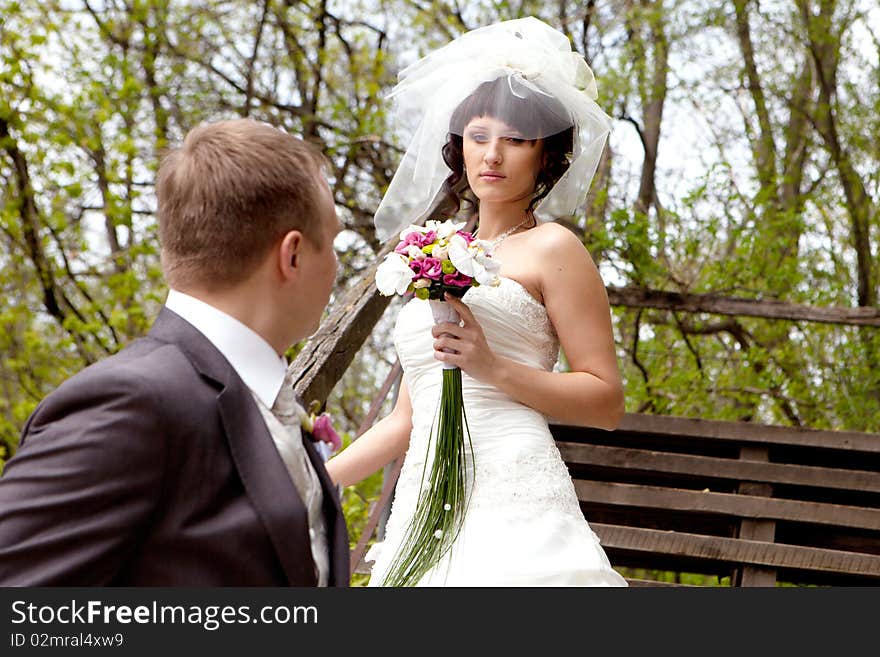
x=428, y=262
x=436, y=258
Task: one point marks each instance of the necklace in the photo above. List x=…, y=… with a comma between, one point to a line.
x=507, y=233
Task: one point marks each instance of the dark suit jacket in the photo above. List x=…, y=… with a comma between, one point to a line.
x=155, y=467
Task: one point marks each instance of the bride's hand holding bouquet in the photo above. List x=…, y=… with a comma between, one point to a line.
x=464, y=344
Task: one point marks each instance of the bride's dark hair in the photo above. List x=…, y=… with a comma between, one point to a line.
x=523, y=114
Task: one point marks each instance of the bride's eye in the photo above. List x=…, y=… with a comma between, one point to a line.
x=478, y=137
x=515, y=140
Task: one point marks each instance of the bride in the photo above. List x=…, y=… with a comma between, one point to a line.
x=509, y=127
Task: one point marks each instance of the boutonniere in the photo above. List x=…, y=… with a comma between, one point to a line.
x=320, y=427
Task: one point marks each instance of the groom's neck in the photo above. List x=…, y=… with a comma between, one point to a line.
x=254, y=306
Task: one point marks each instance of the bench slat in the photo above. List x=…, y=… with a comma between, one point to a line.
x=737, y=550
x=731, y=432
x=642, y=460
x=655, y=583
x=740, y=506
x=752, y=433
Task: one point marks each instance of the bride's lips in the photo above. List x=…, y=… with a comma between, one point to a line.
x=492, y=175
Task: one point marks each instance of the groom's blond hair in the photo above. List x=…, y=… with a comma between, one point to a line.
x=228, y=194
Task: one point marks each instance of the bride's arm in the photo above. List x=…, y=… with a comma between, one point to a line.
x=591, y=394
x=379, y=445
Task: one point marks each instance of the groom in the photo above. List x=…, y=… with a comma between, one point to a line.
x=180, y=461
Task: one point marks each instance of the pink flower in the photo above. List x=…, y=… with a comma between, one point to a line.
x=322, y=429
x=457, y=279
x=416, y=238
x=467, y=236
x=431, y=268
x=428, y=238
x=417, y=266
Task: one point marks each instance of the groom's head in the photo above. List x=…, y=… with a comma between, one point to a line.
x=242, y=203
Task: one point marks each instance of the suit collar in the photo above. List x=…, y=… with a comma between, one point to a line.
x=205, y=357
x=337, y=533
x=251, y=356
x=266, y=480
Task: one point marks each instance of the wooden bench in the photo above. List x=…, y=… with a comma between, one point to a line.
x=760, y=504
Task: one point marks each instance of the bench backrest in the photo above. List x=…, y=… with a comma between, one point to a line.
x=760, y=504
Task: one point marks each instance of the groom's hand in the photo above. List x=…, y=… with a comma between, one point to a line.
x=469, y=349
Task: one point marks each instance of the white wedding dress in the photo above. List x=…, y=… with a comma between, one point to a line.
x=523, y=525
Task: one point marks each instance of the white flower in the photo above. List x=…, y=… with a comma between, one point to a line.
x=415, y=252
x=412, y=229
x=393, y=275
x=440, y=252
x=422, y=282
x=482, y=246
x=490, y=270
x=472, y=260
x=461, y=256
x=438, y=534
x=444, y=229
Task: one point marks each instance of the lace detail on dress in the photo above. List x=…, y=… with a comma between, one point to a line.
x=526, y=487
x=522, y=304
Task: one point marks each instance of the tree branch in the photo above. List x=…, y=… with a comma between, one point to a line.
x=249, y=87
x=30, y=223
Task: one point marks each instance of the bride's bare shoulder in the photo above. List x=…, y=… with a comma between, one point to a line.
x=550, y=230
x=551, y=237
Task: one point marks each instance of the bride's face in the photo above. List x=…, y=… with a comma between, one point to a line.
x=501, y=165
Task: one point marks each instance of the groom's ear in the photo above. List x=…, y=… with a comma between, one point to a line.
x=288, y=254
